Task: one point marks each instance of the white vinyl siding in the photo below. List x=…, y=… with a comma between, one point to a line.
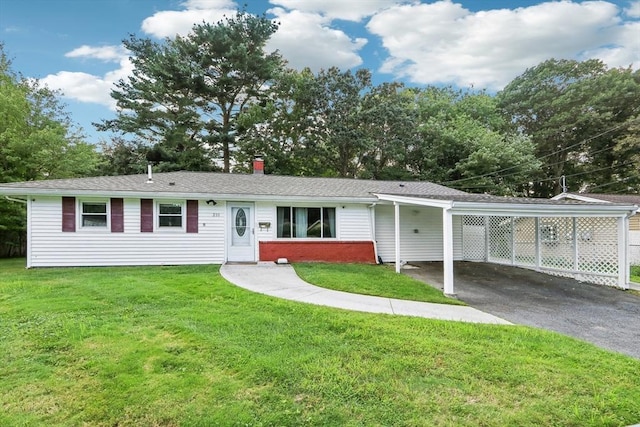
x=51, y=247
x=354, y=222
x=266, y=214
x=634, y=247
x=420, y=233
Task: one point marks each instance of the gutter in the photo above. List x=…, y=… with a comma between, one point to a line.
x=475, y=208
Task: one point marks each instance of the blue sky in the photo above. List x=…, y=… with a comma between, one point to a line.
x=75, y=45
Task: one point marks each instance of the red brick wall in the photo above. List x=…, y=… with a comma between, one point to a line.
x=318, y=251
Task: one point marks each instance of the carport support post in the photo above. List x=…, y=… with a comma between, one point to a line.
x=447, y=252
x=623, y=248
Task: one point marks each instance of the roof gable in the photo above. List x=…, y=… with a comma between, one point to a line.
x=631, y=199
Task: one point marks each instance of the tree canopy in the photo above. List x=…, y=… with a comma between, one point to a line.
x=185, y=93
x=37, y=141
x=577, y=115
x=216, y=96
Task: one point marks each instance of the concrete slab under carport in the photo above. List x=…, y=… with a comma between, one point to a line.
x=607, y=317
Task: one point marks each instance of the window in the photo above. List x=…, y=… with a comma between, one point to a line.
x=306, y=222
x=170, y=215
x=94, y=214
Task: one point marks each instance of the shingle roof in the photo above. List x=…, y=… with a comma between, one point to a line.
x=185, y=183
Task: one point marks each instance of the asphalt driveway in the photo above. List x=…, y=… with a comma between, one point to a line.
x=607, y=317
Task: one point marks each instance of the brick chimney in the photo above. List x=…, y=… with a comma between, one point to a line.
x=258, y=165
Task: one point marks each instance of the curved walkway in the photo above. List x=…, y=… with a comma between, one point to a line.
x=281, y=281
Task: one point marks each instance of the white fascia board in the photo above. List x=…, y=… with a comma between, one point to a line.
x=416, y=201
x=511, y=209
x=176, y=195
x=528, y=210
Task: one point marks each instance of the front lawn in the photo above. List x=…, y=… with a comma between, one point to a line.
x=172, y=346
x=378, y=280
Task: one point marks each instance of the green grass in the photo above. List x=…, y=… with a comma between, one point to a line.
x=635, y=273
x=169, y=346
x=367, y=279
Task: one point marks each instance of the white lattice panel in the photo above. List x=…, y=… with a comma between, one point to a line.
x=500, y=239
x=473, y=238
x=597, y=240
x=556, y=243
x=524, y=242
x=583, y=248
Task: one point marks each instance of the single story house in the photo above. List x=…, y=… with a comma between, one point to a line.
x=634, y=221
x=214, y=218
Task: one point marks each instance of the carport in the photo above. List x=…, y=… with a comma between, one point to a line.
x=584, y=241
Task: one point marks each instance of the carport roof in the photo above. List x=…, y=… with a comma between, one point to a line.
x=484, y=204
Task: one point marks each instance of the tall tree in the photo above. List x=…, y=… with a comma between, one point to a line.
x=311, y=123
x=609, y=160
x=286, y=128
x=340, y=109
x=574, y=113
x=122, y=157
x=186, y=93
x=389, y=123
x=466, y=143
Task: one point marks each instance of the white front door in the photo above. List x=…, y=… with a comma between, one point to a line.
x=241, y=241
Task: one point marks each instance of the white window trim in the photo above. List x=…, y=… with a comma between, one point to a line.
x=306, y=239
x=80, y=227
x=156, y=216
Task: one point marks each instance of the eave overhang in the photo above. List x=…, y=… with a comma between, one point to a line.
x=32, y=192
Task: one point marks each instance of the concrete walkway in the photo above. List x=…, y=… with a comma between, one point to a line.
x=281, y=281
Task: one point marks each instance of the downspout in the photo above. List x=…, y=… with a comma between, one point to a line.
x=372, y=226
x=11, y=199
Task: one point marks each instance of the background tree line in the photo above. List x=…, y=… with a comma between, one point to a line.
x=211, y=100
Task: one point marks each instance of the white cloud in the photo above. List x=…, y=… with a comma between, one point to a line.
x=81, y=86
x=306, y=40
x=168, y=23
x=89, y=88
x=104, y=53
x=209, y=4
x=624, y=50
x=443, y=42
x=427, y=43
x=633, y=11
x=337, y=9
